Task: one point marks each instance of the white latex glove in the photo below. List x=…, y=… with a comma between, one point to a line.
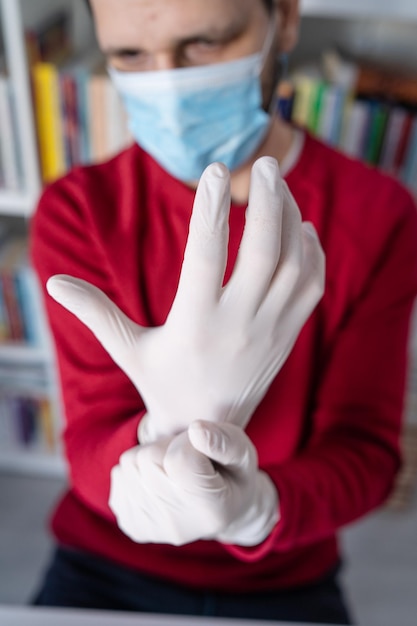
x=170, y=491
x=220, y=347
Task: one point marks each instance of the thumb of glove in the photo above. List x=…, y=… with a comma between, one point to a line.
x=188, y=467
x=114, y=330
x=225, y=444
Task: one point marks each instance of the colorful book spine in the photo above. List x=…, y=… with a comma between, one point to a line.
x=27, y=422
x=48, y=113
x=354, y=128
x=98, y=114
x=29, y=298
x=303, y=99
x=409, y=172
x=21, y=318
x=82, y=77
x=379, y=118
x=393, y=134
x=14, y=315
x=379, y=132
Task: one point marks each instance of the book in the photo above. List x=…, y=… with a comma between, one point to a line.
x=366, y=112
x=75, y=76
x=377, y=125
x=47, y=100
x=409, y=170
x=47, y=423
x=317, y=97
x=31, y=308
x=97, y=115
x=402, y=147
x=355, y=124
x=21, y=318
x=26, y=421
x=305, y=87
x=81, y=75
x=331, y=118
x=393, y=134
x=108, y=123
x=15, y=323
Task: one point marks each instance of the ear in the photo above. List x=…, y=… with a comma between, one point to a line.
x=288, y=12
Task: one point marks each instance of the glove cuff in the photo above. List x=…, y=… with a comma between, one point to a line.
x=258, y=521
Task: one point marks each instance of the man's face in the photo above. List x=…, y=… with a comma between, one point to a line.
x=144, y=35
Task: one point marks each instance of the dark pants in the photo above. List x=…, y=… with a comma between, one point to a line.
x=77, y=579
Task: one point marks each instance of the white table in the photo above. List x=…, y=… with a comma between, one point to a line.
x=29, y=616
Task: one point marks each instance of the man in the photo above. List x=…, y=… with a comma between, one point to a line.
x=222, y=428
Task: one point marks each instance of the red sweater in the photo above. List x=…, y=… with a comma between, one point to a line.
x=327, y=431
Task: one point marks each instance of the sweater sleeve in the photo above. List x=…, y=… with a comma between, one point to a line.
x=102, y=408
x=349, y=463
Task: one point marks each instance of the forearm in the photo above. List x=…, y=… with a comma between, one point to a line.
x=324, y=488
x=92, y=451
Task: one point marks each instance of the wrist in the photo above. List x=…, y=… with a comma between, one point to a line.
x=259, y=519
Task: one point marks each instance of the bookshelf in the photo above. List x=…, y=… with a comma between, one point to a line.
x=18, y=204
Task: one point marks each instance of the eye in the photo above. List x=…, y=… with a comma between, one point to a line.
x=128, y=60
x=206, y=43
x=202, y=50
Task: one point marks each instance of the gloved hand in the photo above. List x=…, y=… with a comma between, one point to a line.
x=170, y=491
x=220, y=347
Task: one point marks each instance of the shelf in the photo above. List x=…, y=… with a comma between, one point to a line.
x=355, y=9
x=16, y=353
x=15, y=203
x=24, y=462
x=21, y=203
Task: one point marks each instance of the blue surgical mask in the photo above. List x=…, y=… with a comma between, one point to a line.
x=187, y=118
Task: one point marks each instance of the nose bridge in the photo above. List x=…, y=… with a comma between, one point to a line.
x=165, y=60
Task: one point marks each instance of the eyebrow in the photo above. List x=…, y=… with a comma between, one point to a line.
x=222, y=34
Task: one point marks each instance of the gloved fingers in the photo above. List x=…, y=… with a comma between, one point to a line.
x=189, y=468
x=291, y=258
x=128, y=457
x=311, y=282
x=145, y=454
x=150, y=454
x=314, y=255
x=135, y=508
x=205, y=255
x=141, y=472
x=113, y=329
x=260, y=247
x=126, y=490
x=225, y=444
x=313, y=274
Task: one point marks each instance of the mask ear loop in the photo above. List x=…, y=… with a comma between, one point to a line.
x=268, y=42
x=281, y=64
